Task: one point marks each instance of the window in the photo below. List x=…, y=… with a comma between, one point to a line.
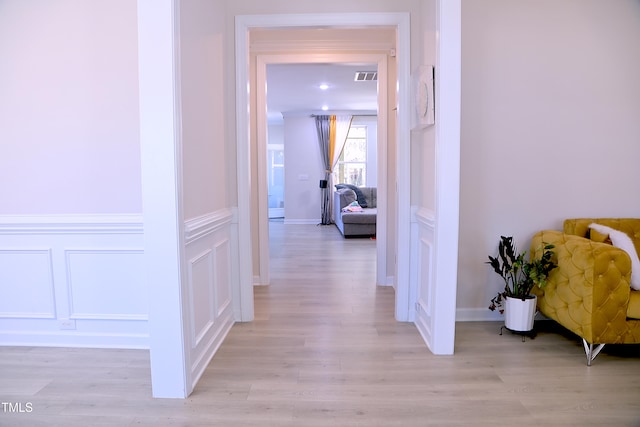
x=352, y=164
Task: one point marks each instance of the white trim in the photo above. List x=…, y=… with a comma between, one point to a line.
x=199, y=227
x=425, y=217
x=382, y=192
x=263, y=187
x=74, y=339
x=301, y=222
x=159, y=94
x=404, y=301
x=478, y=315
x=71, y=224
x=275, y=213
x=448, y=85
x=243, y=288
x=336, y=20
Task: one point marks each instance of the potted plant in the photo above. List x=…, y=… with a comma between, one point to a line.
x=520, y=276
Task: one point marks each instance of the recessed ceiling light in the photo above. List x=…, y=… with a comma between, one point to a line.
x=324, y=86
x=325, y=108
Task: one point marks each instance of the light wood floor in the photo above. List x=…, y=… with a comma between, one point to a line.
x=325, y=350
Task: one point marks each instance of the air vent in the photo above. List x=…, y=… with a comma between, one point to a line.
x=366, y=76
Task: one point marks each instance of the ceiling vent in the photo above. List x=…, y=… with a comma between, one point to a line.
x=366, y=76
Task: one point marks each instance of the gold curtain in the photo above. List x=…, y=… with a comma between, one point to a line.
x=332, y=139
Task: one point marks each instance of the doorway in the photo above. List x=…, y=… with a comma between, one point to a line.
x=253, y=70
x=384, y=248
x=275, y=179
x=162, y=210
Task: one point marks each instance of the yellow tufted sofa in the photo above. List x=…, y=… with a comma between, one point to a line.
x=589, y=293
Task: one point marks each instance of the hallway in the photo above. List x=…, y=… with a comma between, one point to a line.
x=325, y=350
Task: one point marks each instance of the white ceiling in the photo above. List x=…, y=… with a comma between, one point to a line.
x=295, y=88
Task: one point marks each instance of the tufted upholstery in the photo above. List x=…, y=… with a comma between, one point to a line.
x=589, y=292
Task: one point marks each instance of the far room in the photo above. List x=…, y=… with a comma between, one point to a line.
x=316, y=181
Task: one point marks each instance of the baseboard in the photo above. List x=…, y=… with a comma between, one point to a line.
x=389, y=281
x=478, y=315
x=302, y=221
x=257, y=281
x=74, y=340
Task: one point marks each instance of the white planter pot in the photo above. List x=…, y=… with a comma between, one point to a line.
x=519, y=314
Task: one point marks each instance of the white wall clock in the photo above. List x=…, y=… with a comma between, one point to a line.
x=424, y=96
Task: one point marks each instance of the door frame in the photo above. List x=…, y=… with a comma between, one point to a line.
x=380, y=60
x=399, y=21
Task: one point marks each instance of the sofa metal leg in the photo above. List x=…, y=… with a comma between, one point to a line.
x=590, y=351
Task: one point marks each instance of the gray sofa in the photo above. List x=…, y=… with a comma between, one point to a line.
x=353, y=224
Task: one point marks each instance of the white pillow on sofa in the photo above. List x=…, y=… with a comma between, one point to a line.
x=623, y=241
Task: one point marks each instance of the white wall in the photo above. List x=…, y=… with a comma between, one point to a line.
x=206, y=151
x=302, y=156
x=207, y=165
x=71, y=233
x=303, y=170
x=550, y=129
x=69, y=107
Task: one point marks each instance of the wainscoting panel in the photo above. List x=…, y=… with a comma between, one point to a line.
x=73, y=280
x=106, y=284
x=23, y=274
x=202, y=295
x=223, y=273
x=423, y=233
x=208, y=287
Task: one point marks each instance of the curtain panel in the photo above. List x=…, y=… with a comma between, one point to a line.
x=324, y=142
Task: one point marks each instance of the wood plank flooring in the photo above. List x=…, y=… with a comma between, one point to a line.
x=324, y=350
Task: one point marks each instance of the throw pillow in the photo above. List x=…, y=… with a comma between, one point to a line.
x=362, y=201
x=346, y=196
x=623, y=241
x=596, y=236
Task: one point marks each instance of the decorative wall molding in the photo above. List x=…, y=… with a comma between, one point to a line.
x=72, y=224
x=425, y=217
x=423, y=240
x=103, y=287
x=201, y=271
x=215, y=338
x=207, y=289
x=222, y=273
x=200, y=226
x=81, y=281
x=425, y=275
x=34, y=274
